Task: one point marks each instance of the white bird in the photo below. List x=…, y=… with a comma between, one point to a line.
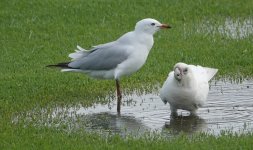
x=115, y=59
x=187, y=87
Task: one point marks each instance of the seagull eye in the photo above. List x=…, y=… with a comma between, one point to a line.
x=185, y=70
x=152, y=24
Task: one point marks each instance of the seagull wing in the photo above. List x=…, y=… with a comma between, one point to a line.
x=102, y=57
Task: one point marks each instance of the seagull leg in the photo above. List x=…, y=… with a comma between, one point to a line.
x=173, y=111
x=119, y=96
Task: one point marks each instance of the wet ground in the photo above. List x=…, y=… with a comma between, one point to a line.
x=231, y=28
x=229, y=108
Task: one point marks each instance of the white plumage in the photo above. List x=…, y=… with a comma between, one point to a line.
x=118, y=58
x=122, y=57
x=187, y=87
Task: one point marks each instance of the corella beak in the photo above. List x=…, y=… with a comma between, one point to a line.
x=181, y=72
x=178, y=74
x=164, y=26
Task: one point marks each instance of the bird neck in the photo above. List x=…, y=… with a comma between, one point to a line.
x=145, y=39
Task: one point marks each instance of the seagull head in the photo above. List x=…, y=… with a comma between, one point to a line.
x=181, y=71
x=150, y=26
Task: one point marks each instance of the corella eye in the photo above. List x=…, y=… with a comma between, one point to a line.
x=152, y=24
x=185, y=70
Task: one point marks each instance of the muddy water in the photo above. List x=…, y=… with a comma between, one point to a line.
x=229, y=108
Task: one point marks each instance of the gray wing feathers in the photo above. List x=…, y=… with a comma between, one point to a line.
x=79, y=53
x=102, y=57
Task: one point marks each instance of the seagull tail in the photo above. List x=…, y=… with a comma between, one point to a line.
x=63, y=65
x=65, y=68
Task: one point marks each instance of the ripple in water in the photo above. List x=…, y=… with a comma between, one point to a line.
x=229, y=107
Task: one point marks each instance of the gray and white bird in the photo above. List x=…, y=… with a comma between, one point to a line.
x=187, y=87
x=115, y=59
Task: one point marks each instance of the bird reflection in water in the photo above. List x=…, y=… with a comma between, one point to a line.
x=115, y=123
x=185, y=124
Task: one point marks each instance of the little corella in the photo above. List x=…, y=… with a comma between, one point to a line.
x=187, y=87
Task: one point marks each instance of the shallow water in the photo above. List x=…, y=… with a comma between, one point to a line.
x=232, y=28
x=229, y=107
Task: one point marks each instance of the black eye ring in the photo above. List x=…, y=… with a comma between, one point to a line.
x=152, y=24
x=186, y=70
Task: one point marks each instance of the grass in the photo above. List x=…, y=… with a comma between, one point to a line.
x=37, y=33
x=45, y=138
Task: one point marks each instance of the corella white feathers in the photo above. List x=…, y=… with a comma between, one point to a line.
x=113, y=60
x=187, y=87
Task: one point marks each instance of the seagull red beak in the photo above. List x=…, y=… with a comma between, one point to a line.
x=164, y=26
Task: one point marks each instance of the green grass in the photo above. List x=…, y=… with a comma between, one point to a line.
x=37, y=33
x=45, y=138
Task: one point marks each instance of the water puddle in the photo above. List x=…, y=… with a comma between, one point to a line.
x=229, y=108
x=231, y=28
